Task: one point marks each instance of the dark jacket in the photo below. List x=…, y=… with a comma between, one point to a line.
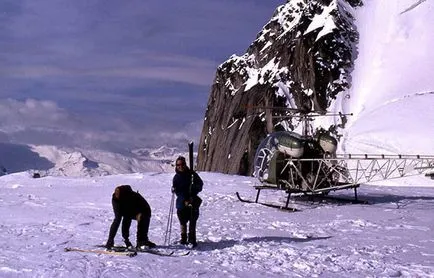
x=185, y=190
x=126, y=206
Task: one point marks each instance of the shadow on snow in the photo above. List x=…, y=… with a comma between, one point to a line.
x=211, y=245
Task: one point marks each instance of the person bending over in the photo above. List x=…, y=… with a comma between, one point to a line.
x=127, y=206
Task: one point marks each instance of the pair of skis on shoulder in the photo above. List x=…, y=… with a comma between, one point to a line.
x=130, y=252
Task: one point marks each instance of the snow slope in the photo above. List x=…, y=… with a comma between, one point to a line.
x=393, y=90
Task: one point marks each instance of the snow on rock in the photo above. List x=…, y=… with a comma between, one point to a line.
x=308, y=47
x=324, y=20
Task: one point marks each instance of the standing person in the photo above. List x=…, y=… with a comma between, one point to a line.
x=129, y=205
x=186, y=185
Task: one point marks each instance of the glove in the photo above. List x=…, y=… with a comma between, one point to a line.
x=187, y=203
x=110, y=243
x=128, y=243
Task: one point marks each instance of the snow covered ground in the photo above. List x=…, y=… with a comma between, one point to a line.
x=392, y=236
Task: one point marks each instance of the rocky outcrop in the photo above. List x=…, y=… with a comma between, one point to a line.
x=302, y=59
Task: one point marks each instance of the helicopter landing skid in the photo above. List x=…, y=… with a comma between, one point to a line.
x=286, y=208
x=327, y=198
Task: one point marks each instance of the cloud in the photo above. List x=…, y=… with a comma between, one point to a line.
x=4, y=137
x=30, y=112
x=175, y=74
x=116, y=74
x=175, y=68
x=44, y=122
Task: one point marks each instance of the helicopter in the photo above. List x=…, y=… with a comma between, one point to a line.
x=308, y=162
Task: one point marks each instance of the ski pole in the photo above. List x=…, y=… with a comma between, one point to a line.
x=168, y=232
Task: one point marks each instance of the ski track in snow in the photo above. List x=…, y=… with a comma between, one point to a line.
x=391, y=237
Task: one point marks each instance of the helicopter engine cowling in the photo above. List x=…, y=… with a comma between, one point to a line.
x=270, y=152
x=328, y=143
x=290, y=144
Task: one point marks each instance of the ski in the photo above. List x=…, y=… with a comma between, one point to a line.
x=190, y=155
x=180, y=247
x=155, y=251
x=161, y=252
x=107, y=252
x=286, y=208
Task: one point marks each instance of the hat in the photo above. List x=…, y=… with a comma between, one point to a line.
x=181, y=158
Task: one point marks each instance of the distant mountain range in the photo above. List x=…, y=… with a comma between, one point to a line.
x=57, y=161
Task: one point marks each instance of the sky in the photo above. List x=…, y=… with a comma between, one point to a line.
x=112, y=75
